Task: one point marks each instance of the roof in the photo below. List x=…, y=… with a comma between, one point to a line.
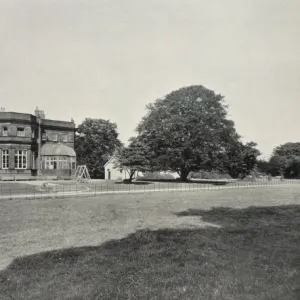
x=57, y=149
x=113, y=158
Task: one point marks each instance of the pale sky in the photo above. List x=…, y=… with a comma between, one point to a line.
x=108, y=59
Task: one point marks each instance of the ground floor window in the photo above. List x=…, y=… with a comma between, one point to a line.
x=58, y=162
x=20, y=159
x=5, y=157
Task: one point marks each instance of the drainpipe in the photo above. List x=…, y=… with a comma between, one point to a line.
x=39, y=141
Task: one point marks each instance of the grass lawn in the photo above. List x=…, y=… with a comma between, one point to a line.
x=222, y=244
x=65, y=187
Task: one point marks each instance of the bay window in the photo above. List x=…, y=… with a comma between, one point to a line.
x=58, y=162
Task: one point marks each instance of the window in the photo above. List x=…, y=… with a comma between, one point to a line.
x=55, y=137
x=73, y=163
x=20, y=132
x=21, y=159
x=5, y=132
x=5, y=157
x=33, y=160
x=58, y=162
x=65, y=138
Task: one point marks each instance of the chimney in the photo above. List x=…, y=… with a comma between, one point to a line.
x=39, y=113
x=2, y=109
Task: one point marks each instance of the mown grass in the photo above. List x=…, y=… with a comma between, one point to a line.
x=254, y=255
x=32, y=190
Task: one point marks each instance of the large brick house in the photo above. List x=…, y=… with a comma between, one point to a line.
x=32, y=145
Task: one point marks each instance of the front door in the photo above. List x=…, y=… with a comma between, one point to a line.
x=108, y=175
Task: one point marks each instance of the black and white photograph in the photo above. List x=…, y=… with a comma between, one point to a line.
x=149, y=150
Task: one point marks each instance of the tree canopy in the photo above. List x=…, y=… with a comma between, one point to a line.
x=134, y=158
x=188, y=130
x=285, y=160
x=95, y=142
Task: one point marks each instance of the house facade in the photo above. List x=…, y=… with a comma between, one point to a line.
x=112, y=172
x=31, y=145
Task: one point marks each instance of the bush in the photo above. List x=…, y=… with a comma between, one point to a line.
x=208, y=175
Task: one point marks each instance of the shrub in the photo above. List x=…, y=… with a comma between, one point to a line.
x=208, y=175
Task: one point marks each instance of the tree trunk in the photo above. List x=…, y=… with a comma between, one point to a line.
x=131, y=176
x=184, y=174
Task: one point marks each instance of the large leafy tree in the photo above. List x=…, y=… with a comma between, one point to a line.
x=134, y=158
x=285, y=160
x=189, y=130
x=95, y=142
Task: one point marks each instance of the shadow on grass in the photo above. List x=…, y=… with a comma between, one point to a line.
x=254, y=217
x=255, y=255
x=133, y=182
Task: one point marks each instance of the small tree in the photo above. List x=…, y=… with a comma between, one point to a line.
x=286, y=160
x=134, y=158
x=237, y=159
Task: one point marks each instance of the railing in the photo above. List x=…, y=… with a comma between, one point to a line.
x=62, y=189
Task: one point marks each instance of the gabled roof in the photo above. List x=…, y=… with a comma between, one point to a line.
x=110, y=160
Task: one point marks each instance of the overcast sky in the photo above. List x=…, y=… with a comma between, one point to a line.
x=108, y=59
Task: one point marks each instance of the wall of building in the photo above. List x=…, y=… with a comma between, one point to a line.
x=28, y=139
x=63, y=173
x=62, y=136
x=115, y=174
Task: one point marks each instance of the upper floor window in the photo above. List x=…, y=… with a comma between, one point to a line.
x=5, y=156
x=5, y=131
x=20, y=131
x=21, y=159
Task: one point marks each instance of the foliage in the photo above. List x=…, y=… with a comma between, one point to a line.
x=188, y=130
x=133, y=158
x=209, y=175
x=286, y=161
x=95, y=141
x=263, y=166
x=239, y=159
x=288, y=150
